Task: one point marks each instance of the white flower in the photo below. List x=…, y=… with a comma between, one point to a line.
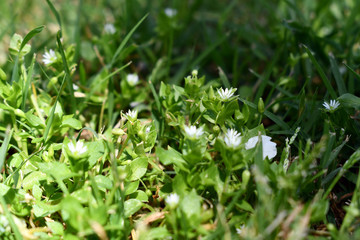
x=268, y=147
x=226, y=94
x=170, y=12
x=4, y=224
x=239, y=230
x=332, y=106
x=131, y=115
x=193, y=132
x=109, y=28
x=132, y=79
x=172, y=200
x=78, y=148
x=232, y=138
x=49, y=57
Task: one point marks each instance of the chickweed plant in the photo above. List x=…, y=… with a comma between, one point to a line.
x=179, y=120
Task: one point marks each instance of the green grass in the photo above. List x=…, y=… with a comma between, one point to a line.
x=87, y=154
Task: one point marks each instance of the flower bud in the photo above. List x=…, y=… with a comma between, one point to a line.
x=216, y=129
x=118, y=131
x=261, y=107
x=19, y=113
x=245, y=178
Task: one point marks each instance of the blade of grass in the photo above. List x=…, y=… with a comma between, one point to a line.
x=270, y=115
x=87, y=128
x=185, y=67
x=335, y=70
x=27, y=83
x=52, y=113
x=67, y=71
x=4, y=146
x=110, y=101
x=266, y=77
x=8, y=215
x=126, y=39
x=63, y=57
x=355, y=157
x=31, y=34
x=352, y=71
x=57, y=16
x=274, y=85
x=326, y=81
x=223, y=78
x=3, y=151
x=77, y=31
x=110, y=98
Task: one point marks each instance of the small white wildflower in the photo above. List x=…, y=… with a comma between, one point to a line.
x=232, y=138
x=332, y=106
x=226, y=94
x=172, y=200
x=132, y=79
x=131, y=115
x=49, y=57
x=147, y=130
x=75, y=87
x=193, y=132
x=78, y=148
x=268, y=147
x=109, y=28
x=239, y=230
x=170, y=12
x=4, y=224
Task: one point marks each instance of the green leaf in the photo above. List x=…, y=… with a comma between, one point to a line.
x=71, y=122
x=96, y=151
x=42, y=209
x=131, y=206
x=349, y=100
x=140, y=195
x=22, y=49
x=158, y=233
x=191, y=207
x=244, y=205
x=103, y=182
x=171, y=156
x=59, y=171
x=32, y=179
x=30, y=35
x=56, y=228
x=36, y=192
x=138, y=168
x=33, y=120
x=131, y=187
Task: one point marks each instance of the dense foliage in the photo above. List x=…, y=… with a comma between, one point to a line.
x=179, y=119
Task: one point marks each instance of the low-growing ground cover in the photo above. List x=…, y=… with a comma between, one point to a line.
x=182, y=120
